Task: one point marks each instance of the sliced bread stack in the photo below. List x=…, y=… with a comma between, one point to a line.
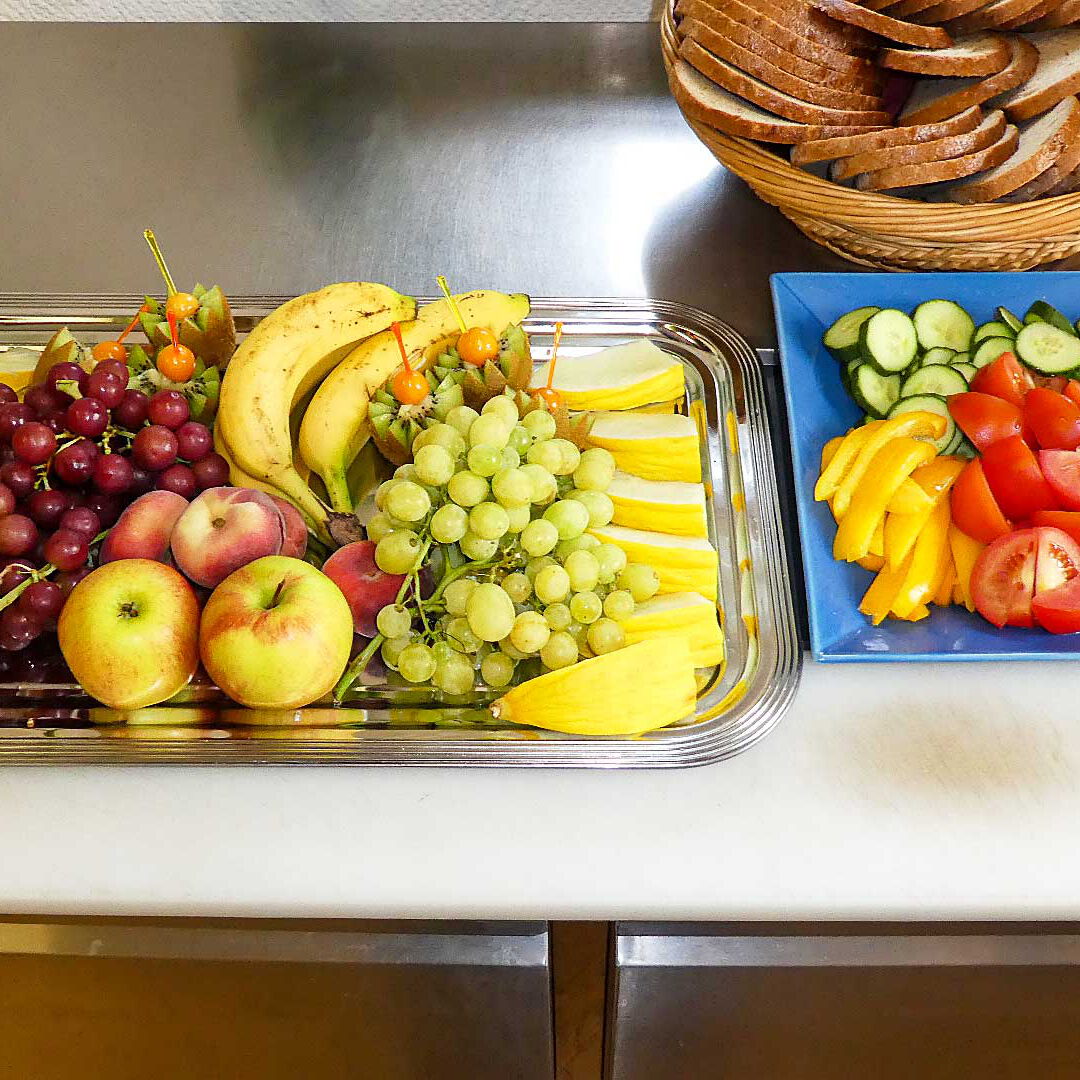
x=925, y=98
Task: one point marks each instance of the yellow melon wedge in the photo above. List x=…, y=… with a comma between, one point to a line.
x=687, y=615
x=654, y=446
x=620, y=377
x=683, y=563
x=667, y=506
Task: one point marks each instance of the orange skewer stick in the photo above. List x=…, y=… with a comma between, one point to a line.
x=410, y=387
x=547, y=393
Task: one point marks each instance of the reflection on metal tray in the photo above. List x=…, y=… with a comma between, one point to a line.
x=44, y=717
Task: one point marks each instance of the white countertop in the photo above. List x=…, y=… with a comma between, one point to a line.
x=900, y=791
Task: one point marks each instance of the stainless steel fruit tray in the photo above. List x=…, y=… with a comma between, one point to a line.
x=46, y=718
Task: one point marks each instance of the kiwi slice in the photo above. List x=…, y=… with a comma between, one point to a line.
x=394, y=426
x=512, y=369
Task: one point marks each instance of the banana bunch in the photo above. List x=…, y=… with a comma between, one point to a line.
x=275, y=369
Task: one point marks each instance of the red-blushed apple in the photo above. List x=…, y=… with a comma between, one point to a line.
x=295, y=545
x=223, y=529
x=144, y=528
x=352, y=568
x=129, y=632
x=276, y=634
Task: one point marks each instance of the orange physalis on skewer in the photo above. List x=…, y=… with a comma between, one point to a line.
x=475, y=346
x=547, y=393
x=410, y=387
x=175, y=361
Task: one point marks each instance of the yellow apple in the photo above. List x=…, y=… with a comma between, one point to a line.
x=276, y=634
x=129, y=632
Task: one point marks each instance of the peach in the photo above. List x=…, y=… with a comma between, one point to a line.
x=352, y=568
x=144, y=529
x=223, y=529
x=295, y=546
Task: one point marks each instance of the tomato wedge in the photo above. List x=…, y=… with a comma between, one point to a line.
x=984, y=419
x=1005, y=378
x=1014, y=476
x=1059, y=611
x=1003, y=579
x=974, y=509
x=1052, y=418
x=1062, y=471
x=1068, y=521
x=1053, y=382
x=1072, y=391
x=1057, y=560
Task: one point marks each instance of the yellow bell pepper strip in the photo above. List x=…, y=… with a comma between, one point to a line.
x=871, y=562
x=920, y=611
x=965, y=551
x=927, y=563
x=890, y=467
x=878, y=600
x=828, y=452
x=877, y=541
x=909, y=499
x=943, y=593
x=843, y=457
x=957, y=594
x=913, y=425
x=933, y=479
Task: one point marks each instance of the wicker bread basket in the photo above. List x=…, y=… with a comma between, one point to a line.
x=889, y=233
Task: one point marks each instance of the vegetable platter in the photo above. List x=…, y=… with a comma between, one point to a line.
x=933, y=456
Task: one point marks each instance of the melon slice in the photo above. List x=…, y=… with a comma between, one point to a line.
x=619, y=377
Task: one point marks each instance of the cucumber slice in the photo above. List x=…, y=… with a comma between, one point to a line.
x=887, y=339
x=960, y=358
x=937, y=356
x=1048, y=349
x=928, y=403
x=990, y=349
x=842, y=338
x=936, y=379
x=873, y=392
x=943, y=323
x=991, y=329
x=957, y=442
x=1014, y=323
x=1041, y=311
x=967, y=370
x=847, y=373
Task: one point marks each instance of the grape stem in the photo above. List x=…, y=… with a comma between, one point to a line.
x=356, y=668
x=35, y=575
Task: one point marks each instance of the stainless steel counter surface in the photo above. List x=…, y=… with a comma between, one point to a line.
x=546, y=158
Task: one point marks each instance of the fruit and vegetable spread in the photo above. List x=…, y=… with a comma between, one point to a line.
x=362, y=492
x=963, y=483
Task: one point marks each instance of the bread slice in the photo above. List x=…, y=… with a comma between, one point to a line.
x=935, y=99
x=1050, y=179
x=986, y=134
x=768, y=97
x=797, y=55
x=1040, y=144
x=906, y=8
x=704, y=101
x=829, y=149
x=1045, y=7
x=750, y=61
x=944, y=10
x=1066, y=186
x=1068, y=11
x=993, y=16
x=1056, y=77
x=803, y=19
x=980, y=54
x=932, y=37
x=933, y=172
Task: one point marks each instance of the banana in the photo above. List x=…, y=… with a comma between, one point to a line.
x=335, y=426
x=284, y=358
x=239, y=478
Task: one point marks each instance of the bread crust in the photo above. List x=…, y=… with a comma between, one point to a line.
x=932, y=37
x=1025, y=58
x=938, y=171
x=951, y=146
x=988, y=54
x=828, y=149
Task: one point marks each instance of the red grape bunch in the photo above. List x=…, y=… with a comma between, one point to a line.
x=73, y=453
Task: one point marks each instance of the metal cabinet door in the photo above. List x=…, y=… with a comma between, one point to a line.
x=388, y=1001
x=825, y=1003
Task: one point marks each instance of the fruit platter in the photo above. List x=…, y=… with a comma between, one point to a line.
x=935, y=433
x=359, y=527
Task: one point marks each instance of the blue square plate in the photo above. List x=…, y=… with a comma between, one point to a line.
x=818, y=408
